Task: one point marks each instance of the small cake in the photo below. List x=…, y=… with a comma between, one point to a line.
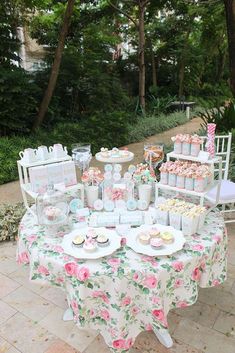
x=115, y=152
x=90, y=245
x=144, y=238
x=91, y=234
x=102, y=240
x=156, y=243
x=154, y=233
x=125, y=152
x=104, y=152
x=52, y=213
x=167, y=237
x=78, y=241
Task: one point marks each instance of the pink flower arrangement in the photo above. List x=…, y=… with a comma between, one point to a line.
x=23, y=258
x=123, y=344
x=178, y=266
x=144, y=174
x=92, y=176
x=150, y=281
x=182, y=304
x=118, y=194
x=71, y=268
x=159, y=315
x=105, y=315
x=83, y=274
x=198, y=247
x=135, y=310
x=43, y=270
x=178, y=283
x=196, y=275
x=126, y=301
x=100, y=294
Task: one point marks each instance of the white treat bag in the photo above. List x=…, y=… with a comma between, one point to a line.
x=189, y=225
x=175, y=220
x=162, y=217
x=201, y=220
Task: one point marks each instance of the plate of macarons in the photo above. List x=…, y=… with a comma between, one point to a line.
x=155, y=240
x=91, y=243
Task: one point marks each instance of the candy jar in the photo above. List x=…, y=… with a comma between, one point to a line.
x=52, y=211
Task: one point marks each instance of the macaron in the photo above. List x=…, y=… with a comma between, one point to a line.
x=156, y=243
x=144, y=238
x=167, y=237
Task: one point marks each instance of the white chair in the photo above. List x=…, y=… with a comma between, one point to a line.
x=227, y=187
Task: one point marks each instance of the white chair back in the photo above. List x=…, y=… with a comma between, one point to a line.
x=222, y=149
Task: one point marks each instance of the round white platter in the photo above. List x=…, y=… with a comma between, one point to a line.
x=120, y=159
x=167, y=249
x=80, y=253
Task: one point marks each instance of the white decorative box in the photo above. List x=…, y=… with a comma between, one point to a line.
x=69, y=173
x=55, y=173
x=38, y=179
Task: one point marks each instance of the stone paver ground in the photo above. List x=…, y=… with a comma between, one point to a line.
x=10, y=192
x=31, y=315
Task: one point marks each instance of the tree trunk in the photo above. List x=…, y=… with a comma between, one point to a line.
x=181, y=78
x=56, y=65
x=221, y=65
x=230, y=20
x=182, y=65
x=141, y=57
x=154, y=66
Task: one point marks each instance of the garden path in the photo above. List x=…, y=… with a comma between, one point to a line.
x=10, y=192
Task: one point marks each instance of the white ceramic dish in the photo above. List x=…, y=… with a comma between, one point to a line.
x=80, y=253
x=167, y=249
x=119, y=159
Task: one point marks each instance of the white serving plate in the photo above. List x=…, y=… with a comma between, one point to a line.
x=167, y=249
x=80, y=253
x=121, y=159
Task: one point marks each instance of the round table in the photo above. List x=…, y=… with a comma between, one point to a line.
x=126, y=293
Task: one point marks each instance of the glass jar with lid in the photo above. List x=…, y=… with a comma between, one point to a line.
x=52, y=210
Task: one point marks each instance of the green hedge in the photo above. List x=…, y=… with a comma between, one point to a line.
x=110, y=129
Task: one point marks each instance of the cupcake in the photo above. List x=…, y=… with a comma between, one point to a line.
x=90, y=245
x=78, y=241
x=115, y=152
x=154, y=233
x=102, y=240
x=52, y=213
x=91, y=234
x=144, y=238
x=156, y=243
x=104, y=152
x=167, y=237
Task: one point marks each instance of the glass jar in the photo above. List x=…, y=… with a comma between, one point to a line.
x=52, y=210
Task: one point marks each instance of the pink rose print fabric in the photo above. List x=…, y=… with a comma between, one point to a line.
x=126, y=293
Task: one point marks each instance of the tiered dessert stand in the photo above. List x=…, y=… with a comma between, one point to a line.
x=201, y=195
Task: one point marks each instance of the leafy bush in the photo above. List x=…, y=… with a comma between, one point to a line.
x=10, y=216
x=159, y=105
x=17, y=100
x=223, y=117
x=150, y=125
x=111, y=129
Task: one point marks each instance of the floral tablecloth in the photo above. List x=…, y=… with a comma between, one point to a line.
x=126, y=293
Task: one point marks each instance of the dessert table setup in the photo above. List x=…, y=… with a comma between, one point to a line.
x=124, y=255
